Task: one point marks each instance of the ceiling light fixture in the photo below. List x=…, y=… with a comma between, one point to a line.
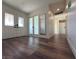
x=58, y=9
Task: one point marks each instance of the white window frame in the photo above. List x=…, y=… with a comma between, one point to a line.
x=20, y=19
x=9, y=19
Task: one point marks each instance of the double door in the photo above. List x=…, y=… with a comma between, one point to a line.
x=34, y=25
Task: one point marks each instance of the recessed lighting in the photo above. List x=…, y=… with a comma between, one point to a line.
x=58, y=9
x=49, y=12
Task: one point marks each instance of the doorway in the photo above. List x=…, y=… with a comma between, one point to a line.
x=62, y=27
x=34, y=25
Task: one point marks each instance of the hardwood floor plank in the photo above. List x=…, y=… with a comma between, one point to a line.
x=36, y=48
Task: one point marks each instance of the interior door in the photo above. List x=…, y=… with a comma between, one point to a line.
x=62, y=26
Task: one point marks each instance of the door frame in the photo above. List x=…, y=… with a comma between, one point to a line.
x=62, y=21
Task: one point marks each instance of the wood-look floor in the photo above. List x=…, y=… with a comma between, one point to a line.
x=36, y=48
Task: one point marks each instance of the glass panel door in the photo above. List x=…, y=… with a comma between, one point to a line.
x=30, y=25
x=36, y=25
x=42, y=24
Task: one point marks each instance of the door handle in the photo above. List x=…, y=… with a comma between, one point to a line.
x=32, y=26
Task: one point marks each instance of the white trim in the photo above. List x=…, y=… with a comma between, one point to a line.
x=72, y=48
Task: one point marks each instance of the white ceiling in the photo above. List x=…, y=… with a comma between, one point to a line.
x=29, y=5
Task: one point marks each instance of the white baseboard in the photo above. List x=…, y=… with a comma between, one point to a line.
x=71, y=46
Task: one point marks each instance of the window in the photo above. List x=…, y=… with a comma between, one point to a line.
x=9, y=19
x=20, y=22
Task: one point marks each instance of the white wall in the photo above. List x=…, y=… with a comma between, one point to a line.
x=71, y=27
x=49, y=22
x=8, y=31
